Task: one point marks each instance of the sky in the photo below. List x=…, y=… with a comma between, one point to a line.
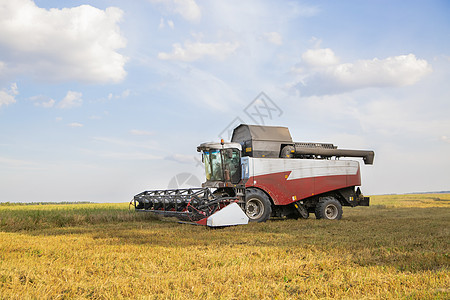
x=100, y=100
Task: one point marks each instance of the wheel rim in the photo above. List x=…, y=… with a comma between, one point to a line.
x=254, y=208
x=331, y=211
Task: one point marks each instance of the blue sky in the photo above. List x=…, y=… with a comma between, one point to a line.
x=100, y=100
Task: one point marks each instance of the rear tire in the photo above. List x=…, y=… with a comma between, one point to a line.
x=258, y=207
x=328, y=208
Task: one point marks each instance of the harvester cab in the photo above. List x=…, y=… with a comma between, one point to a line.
x=262, y=173
x=222, y=164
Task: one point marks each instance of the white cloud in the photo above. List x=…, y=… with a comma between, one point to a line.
x=188, y=9
x=75, y=125
x=47, y=104
x=141, y=132
x=7, y=96
x=320, y=57
x=43, y=101
x=72, y=99
x=123, y=95
x=162, y=24
x=323, y=75
x=401, y=117
x=392, y=71
x=274, y=38
x=302, y=10
x=196, y=50
x=78, y=43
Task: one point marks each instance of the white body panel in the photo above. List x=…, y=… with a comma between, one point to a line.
x=231, y=214
x=299, y=168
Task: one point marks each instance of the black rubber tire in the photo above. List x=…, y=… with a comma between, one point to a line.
x=258, y=207
x=287, y=152
x=328, y=208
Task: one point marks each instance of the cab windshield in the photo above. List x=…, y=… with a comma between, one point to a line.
x=222, y=165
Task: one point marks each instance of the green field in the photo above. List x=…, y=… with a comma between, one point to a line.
x=396, y=248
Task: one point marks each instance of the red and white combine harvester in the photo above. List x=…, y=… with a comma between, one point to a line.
x=260, y=174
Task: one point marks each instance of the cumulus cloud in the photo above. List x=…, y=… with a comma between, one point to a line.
x=46, y=104
x=196, y=50
x=188, y=9
x=273, y=38
x=302, y=10
x=7, y=96
x=123, y=95
x=162, y=24
x=77, y=43
x=320, y=57
x=72, y=99
x=42, y=101
x=321, y=73
x=392, y=71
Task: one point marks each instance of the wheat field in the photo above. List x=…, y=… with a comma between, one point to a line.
x=396, y=248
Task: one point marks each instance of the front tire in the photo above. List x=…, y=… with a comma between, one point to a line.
x=258, y=207
x=328, y=208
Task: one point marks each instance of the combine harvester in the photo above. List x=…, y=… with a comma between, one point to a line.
x=260, y=174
